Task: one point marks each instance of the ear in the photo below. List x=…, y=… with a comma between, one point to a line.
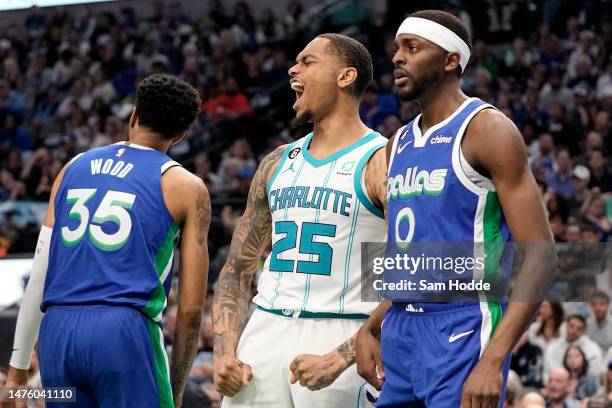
x=178, y=138
x=346, y=77
x=452, y=61
x=133, y=117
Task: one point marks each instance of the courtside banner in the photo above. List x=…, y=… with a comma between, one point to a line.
x=471, y=272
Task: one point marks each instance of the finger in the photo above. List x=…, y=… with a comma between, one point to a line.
x=466, y=400
x=292, y=378
x=476, y=400
x=295, y=363
x=247, y=373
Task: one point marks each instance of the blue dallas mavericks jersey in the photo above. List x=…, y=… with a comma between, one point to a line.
x=435, y=196
x=113, y=237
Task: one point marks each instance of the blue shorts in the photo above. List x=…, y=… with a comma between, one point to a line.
x=114, y=356
x=429, y=350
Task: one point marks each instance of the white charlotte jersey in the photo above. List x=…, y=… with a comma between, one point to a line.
x=320, y=216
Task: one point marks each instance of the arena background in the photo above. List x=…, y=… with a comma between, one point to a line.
x=68, y=77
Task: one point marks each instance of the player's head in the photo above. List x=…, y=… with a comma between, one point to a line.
x=431, y=46
x=165, y=106
x=331, y=67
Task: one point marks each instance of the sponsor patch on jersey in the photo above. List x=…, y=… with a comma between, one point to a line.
x=347, y=168
x=441, y=139
x=293, y=153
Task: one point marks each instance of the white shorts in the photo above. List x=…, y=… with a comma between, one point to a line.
x=269, y=344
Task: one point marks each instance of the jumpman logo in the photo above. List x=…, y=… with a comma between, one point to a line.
x=289, y=168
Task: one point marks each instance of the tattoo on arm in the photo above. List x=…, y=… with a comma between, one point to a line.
x=348, y=351
x=181, y=368
x=203, y=217
x=251, y=236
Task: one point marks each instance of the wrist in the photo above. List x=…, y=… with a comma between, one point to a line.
x=17, y=375
x=337, y=362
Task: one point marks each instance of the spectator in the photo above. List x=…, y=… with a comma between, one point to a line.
x=580, y=182
x=230, y=103
x=557, y=390
x=560, y=179
x=555, y=353
x=548, y=326
x=554, y=91
x=599, y=325
x=542, y=154
x=533, y=400
x=581, y=384
x=527, y=362
x=600, y=174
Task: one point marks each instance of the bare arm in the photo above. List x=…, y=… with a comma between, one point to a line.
x=251, y=236
x=188, y=199
x=506, y=162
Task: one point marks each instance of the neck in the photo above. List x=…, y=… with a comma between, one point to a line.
x=439, y=102
x=338, y=128
x=146, y=139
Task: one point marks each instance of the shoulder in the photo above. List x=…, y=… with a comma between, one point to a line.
x=270, y=162
x=178, y=180
x=491, y=122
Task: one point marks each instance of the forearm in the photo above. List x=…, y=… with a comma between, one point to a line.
x=347, y=350
x=531, y=286
x=230, y=310
x=28, y=320
x=184, y=348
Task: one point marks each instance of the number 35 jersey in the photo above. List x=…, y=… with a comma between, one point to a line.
x=113, y=237
x=320, y=216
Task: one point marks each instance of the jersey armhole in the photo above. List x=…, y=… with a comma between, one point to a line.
x=359, y=180
x=168, y=165
x=398, y=134
x=467, y=175
x=75, y=158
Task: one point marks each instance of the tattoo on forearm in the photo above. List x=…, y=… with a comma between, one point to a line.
x=251, y=236
x=347, y=350
x=181, y=368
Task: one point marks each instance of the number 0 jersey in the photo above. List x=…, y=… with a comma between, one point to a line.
x=435, y=196
x=320, y=216
x=113, y=237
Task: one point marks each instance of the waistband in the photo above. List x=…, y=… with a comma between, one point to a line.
x=314, y=315
x=427, y=307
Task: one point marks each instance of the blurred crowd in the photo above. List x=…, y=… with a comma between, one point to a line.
x=68, y=82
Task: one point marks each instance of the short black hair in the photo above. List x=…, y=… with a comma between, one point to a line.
x=598, y=294
x=354, y=54
x=577, y=317
x=166, y=104
x=449, y=21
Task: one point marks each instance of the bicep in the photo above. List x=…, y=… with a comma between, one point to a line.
x=49, y=219
x=518, y=193
x=376, y=178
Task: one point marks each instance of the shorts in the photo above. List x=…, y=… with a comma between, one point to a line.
x=113, y=355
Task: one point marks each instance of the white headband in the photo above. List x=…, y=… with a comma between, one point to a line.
x=437, y=34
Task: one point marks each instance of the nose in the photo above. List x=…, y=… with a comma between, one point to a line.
x=398, y=58
x=293, y=70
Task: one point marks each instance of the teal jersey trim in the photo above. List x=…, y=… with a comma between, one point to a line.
x=318, y=163
x=361, y=195
x=279, y=167
x=314, y=315
x=347, y=259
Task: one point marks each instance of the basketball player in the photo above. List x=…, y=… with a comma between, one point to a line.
x=316, y=199
x=105, y=255
x=451, y=354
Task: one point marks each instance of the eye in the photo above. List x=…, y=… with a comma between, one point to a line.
x=413, y=49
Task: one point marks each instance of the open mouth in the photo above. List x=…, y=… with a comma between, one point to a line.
x=298, y=88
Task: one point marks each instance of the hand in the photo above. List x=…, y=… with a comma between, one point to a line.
x=483, y=387
x=16, y=379
x=369, y=361
x=230, y=375
x=316, y=372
